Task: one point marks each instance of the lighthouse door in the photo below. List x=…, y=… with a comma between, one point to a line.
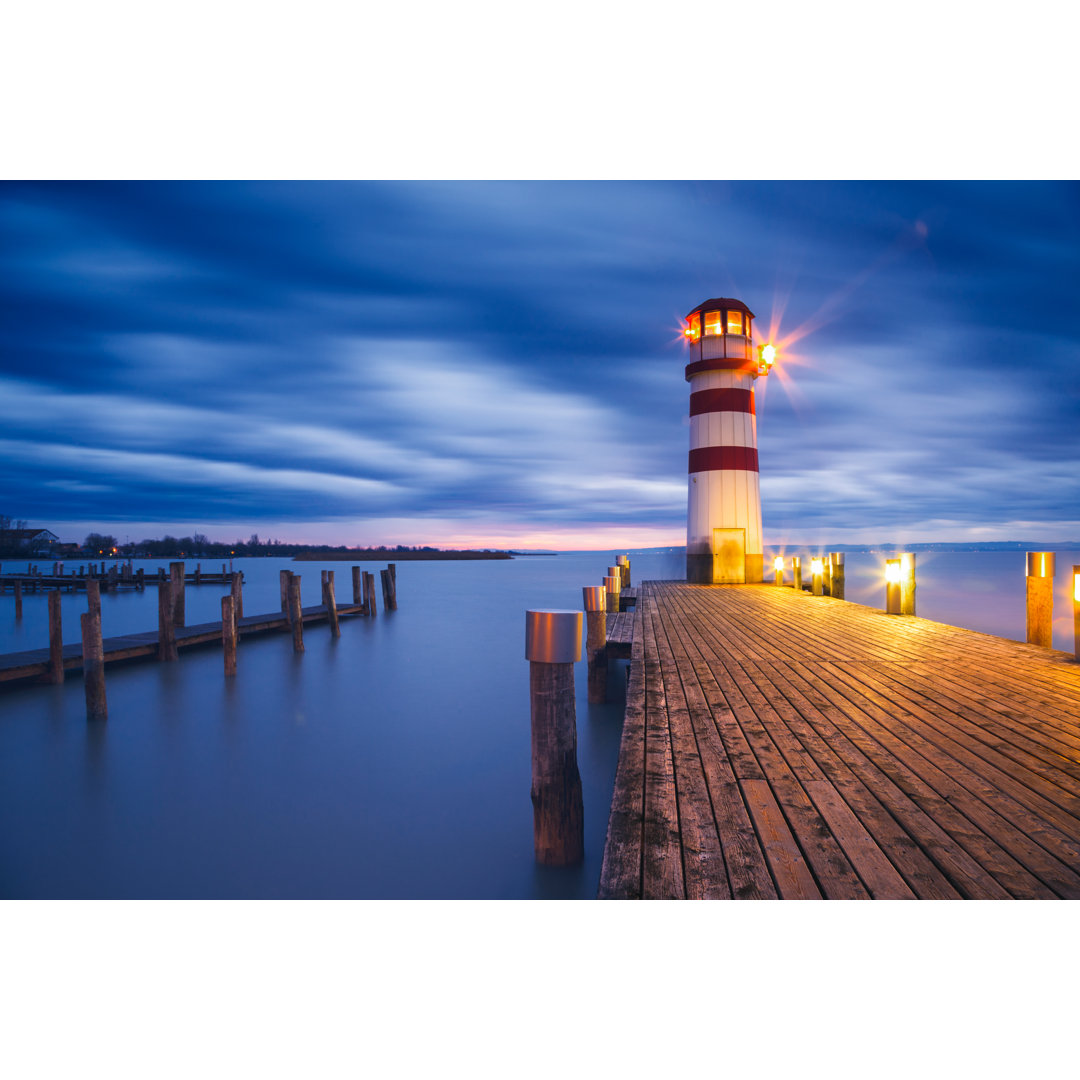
x=729, y=556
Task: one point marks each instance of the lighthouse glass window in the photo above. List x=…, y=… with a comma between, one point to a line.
x=714, y=322
x=734, y=322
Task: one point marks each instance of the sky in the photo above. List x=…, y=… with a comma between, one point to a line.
x=500, y=364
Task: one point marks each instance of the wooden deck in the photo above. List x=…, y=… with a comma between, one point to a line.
x=620, y=635
x=780, y=745
x=34, y=663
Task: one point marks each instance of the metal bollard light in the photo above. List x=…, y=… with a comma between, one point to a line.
x=552, y=647
x=1040, y=598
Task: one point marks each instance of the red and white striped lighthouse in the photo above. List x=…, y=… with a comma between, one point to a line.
x=723, y=524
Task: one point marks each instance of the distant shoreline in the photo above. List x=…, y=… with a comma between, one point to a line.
x=389, y=555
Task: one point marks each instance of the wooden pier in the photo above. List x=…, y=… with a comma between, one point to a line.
x=781, y=745
x=34, y=663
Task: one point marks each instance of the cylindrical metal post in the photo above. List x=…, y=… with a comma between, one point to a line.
x=1040, y=598
x=892, y=587
x=907, y=583
x=166, y=629
x=611, y=587
x=778, y=566
x=817, y=574
x=552, y=647
x=595, y=601
x=836, y=574
x=228, y=635
x=176, y=576
x=56, y=640
x=93, y=653
x=296, y=613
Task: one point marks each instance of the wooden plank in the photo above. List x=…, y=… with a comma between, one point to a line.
x=793, y=878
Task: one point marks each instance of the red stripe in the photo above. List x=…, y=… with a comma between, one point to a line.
x=715, y=458
x=724, y=400
x=699, y=366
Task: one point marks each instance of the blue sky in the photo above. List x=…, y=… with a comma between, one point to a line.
x=500, y=363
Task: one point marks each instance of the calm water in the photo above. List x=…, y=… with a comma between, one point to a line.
x=391, y=763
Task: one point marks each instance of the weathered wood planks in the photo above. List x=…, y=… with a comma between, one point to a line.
x=782, y=744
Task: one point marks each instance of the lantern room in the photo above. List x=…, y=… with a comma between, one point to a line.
x=722, y=329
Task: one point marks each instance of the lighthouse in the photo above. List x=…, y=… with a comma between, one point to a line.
x=723, y=523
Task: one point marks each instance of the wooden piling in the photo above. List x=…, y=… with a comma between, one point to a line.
x=56, y=640
x=370, y=606
x=392, y=567
x=140, y=579
x=907, y=583
x=322, y=585
x=331, y=605
x=389, y=589
x=198, y=573
x=552, y=646
x=166, y=629
x=283, y=583
x=356, y=588
x=93, y=656
x=18, y=600
x=836, y=577
x=93, y=596
x=236, y=587
x=1040, y=598
x=296, y=614
x=595, y=602
x=176, y=576
x=228, y=635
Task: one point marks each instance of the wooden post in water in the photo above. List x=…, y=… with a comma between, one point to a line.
x=389, y=589
x=331, y=604
x=93, y=655
x=198, y=573
x=323, y=580
x=907, y=583
x=595, y=601
x=176, y=576
x=611, y=588
x=552, y=647
x=18, y=600
x=56, y=640
x=93, y=597
x=237, y=591
x=356, y=593
x=140, y=579
x=836, y=564
x=370, y=606
x=296, y=613
x=283, y=583
x=392, y=567
x=384, y=577
x=228, y=635
x=166, y=628
x=893, y=604
x=1040, y=598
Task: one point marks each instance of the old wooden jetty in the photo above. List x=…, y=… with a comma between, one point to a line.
x=34, y=663
x=781, y=745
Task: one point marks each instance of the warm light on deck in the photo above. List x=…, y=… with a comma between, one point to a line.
x=1076, y=587
x=815, y=566
x=892, y=571
x=778, y=563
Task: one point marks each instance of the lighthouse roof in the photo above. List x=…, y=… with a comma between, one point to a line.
x=721, y=303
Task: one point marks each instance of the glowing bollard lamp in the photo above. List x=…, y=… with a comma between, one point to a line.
x=907, y=583
x=778, y=566
x=1076, y=612
x=552, y=647
x=892, y=587
x=612, y=585
x=817, y=573
x=1040, y=598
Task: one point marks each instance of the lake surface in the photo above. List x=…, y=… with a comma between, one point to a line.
x=391, y=763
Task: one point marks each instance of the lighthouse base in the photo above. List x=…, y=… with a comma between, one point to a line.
x=702, y=569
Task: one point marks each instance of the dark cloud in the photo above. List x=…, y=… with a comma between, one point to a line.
x=419, y=360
